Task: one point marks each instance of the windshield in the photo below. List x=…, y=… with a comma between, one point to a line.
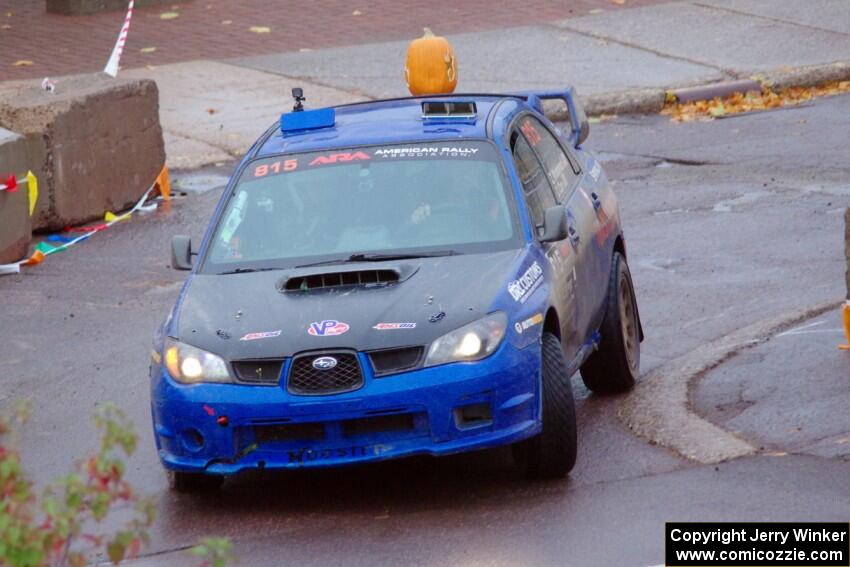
x=448, y=197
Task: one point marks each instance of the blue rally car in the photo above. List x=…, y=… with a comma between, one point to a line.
x=392, y=278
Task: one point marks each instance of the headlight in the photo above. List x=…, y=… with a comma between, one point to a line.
x=474, y=341
x=191, y=365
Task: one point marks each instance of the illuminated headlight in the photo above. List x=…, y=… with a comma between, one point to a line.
x=474, y=341
x=191, y=365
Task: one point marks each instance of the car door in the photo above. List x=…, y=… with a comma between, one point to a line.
x=587, y=293
x=562, y=256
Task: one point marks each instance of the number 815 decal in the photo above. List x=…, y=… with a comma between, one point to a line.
x=276, y=167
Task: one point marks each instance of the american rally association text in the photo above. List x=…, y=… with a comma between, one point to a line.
x=756, y=534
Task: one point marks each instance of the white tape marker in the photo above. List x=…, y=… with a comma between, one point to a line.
x=111, y=68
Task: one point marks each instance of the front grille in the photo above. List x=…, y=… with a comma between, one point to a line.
x=258, y=371
x=341, y=279
x=305, y=379
x=392, y=360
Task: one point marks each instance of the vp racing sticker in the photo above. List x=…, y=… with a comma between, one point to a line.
x=522, y=287
x=327, y=328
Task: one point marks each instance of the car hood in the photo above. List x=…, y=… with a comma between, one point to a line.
x=244, y=316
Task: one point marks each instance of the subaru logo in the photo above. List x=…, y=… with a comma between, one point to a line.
x=324, y=363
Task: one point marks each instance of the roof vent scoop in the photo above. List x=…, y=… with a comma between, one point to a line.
x=449, y=110
x=359, y=278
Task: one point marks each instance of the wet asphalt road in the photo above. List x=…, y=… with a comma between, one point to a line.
x=728, y=223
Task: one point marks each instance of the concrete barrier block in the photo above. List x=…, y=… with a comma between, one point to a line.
x=100, y=144
x=15, y=230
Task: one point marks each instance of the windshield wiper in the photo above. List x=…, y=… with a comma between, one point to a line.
x=245, y=271
x=362, y=257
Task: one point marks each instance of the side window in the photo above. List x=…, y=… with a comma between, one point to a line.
x=535, y=185
x=555, y=161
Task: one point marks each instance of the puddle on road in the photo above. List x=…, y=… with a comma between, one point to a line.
x=726, y=205
x=199, y=183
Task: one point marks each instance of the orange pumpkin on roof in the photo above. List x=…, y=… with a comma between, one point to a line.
x=431, y=67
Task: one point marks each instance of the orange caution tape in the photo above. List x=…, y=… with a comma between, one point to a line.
x=163, y=184
x=36, y=258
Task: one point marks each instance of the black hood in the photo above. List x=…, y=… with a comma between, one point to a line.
x=224, y=313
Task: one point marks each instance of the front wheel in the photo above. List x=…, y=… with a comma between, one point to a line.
x=616, y=363
x=552, y=453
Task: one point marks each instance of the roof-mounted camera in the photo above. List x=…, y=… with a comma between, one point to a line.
x=298, y=95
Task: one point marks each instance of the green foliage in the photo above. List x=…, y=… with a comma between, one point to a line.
x=63, y=526
x=213, y=551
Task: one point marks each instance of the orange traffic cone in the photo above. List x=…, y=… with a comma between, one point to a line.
x=845, y=317
x=163, y=185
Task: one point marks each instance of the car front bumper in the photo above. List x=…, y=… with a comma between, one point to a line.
x=437, y=411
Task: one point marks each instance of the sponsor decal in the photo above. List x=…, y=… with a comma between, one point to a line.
x=327, y=328
x=425, y=151
x=521, y=326
x=255, y=336
x=309, y=455
x=531, y=133
x=393, y=326
x=275, y=167
x=324, y=363
x=595, y=170
x=341, y=157
x=522, y=287
x=605, y=228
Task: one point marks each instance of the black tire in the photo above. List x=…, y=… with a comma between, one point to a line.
x=552, y=453
x=194, y=483
x=616, y=363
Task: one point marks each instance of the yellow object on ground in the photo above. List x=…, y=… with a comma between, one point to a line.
x=845, y=317
x=110, y=216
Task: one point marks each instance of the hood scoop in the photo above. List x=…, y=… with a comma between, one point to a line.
x=305, y=282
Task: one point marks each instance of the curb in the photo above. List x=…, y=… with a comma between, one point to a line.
x=651, y=101
x=658, y=408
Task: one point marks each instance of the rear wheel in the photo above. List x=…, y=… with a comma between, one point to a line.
x=615, y=365
x=552, y=453
x=185, y=482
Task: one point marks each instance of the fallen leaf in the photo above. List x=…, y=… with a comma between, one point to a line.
x=150, y=67
x=22, y=63
x=618, y=2
x=304, y=49
x=356, y=13
x=226, y=22
x=168, y=15
x=260, y=29
x=843, y=440
x=211, y=111
x=147, y=50
x=737, y=103
x=596, y=11
x=8, y=14
x=776, y=454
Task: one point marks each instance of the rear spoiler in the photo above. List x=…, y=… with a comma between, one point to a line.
x=575, y=115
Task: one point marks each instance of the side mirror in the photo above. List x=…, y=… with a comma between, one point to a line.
x=181, y=252
x=554, y=224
